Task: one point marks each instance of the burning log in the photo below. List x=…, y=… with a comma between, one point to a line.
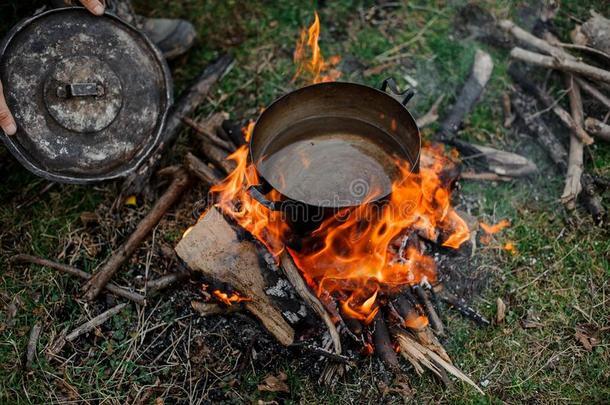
x=383, y=343
x=435, y=320
x=292, y=273
x=99, y=280
x=598, y=128
x=213, y=248
x=136, y=182
x=116, y=290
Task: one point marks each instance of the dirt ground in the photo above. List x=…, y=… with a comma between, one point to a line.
x=552, y=348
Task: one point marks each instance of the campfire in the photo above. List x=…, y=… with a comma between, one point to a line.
x=365, y=264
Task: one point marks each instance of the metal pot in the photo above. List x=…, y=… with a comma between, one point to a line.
x=90, y=95
x=331, y=146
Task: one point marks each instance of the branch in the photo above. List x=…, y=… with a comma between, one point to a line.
x=598, y=128
x=179, y=183
x=95, y=322
x=575, y=163
x=565, y=65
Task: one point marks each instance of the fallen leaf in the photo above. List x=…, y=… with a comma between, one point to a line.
x=587, y=335
x=131, y=201
x=273, y=383
x=500, y=310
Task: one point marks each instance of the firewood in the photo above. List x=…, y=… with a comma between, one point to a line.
x=431, y=116
x=565, y=65
x=116, y=290
x=435, y=320
x=586, y=86
x=471, y=175
x=294, y=277
x=213, y=248
x=207, y=130
x=469, y=94
x=166, y=281
x=597, y=32
x=217, y=156
x=463, y=308
x=525, y=106
x=200, y=170
x=500, y=162
x=383, y=343
x=32, y=343
x=137, y=181
x=234, y=132
x=95, y=285
x=547, y=101
x=420, y=356
x=598, y=128
x=213, y=308
x=95, y=322
x=575, y=160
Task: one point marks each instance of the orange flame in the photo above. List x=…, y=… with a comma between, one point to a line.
x=229, y=299
x=315, y=66
x=353, y=258
x=491, y=229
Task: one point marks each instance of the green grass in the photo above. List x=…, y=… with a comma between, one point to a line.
x=560, y=274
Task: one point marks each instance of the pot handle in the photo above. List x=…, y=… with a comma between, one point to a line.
x=258, y=195
x=391, y=83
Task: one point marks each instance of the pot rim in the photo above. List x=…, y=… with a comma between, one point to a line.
x=279, y=100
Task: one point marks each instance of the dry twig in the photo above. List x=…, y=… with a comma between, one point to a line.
x=95, y=322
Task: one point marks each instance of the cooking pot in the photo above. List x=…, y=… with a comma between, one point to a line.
x=332, y=146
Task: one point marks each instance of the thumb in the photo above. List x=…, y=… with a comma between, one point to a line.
x=94, y=6
x=7, y=122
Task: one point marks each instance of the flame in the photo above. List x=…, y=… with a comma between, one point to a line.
x=314, y=66
x=352, y=257
x=491, y=229
x=229, y=299
x=234, y=200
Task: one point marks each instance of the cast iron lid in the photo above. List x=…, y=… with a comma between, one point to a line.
x=89, y=94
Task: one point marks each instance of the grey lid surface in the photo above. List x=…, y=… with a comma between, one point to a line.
x=90, y=95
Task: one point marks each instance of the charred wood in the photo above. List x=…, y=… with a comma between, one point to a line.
x=383, y=343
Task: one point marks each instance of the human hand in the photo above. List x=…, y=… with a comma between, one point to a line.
x=7, y=122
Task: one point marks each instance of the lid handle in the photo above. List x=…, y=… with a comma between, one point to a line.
x=80, y=90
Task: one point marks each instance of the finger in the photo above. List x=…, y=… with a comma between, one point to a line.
x=7, y=122
x=95, y=6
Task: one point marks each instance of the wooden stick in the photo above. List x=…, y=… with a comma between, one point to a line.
x=179, y=183
x=435, y=320
x=470, y=93
x=525, y=106
x=488, y=176
x=73, y=271
x=217, y=156
x=549, y=103
x=509, y=116
x=210, y=136
x=565, y=65
x=598, y=128
x=432, y=115
x=213, y=308
x=200, y=170
x=32, y=343
x=593, y=92
x=530, y=39
x=95, y=322
x=383, y=344
x=463, y=308
x=163, y=282
x=575, y=162
x=136, y=182
x=294, y=277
